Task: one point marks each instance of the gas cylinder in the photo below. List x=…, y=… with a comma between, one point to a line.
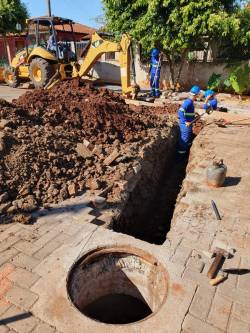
x=216, y=174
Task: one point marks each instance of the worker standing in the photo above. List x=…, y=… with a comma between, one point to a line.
x=186, y=115
x=210, y=100
x=155, y=72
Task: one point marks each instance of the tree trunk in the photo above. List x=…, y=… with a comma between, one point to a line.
x=7, y=49
x=183, y=58
x=172, y=71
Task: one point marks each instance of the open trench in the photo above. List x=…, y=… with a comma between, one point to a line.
x=150, y=207
x=116, y=281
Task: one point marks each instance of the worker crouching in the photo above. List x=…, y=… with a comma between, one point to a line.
x=186, y=115
x=211, y=102
x=155, y=72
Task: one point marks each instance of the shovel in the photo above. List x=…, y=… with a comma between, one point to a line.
x=208, y=111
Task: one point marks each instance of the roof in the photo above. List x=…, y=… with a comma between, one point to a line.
x=77, y=27
x=55, y=19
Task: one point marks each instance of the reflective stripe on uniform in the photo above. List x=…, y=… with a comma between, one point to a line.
x=189, y=114
x=183, y=110
x=156, y=66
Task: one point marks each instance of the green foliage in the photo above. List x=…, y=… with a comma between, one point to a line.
x=176, y=27
x=214, y=81
x=227, y=83
x=240, y=79
x=11, y=13
x=3, y=62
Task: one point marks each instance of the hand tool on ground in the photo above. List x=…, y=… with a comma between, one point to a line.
x=235, y=122
x=222, y=109
x=220, y=256
x=215, y=209
x=222, y=276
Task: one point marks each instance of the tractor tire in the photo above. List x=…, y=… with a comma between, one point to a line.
x=41, y=72
x=11, y=77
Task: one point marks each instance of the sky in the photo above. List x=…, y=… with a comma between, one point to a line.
x=81, y=11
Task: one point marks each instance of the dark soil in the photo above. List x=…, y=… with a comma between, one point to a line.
x=39, y=136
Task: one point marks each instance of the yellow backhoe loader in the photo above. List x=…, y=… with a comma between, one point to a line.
x=46, y=59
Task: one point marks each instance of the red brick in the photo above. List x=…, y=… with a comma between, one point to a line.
x=202, y=302
x=194, y=325
x=238, y=326
x=220, y=312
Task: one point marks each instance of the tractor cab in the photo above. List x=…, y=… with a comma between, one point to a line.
x=54, y=35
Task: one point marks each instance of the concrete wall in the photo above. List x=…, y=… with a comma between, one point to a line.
x=192, y=73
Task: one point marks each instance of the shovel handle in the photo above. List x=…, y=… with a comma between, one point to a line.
x=215, y=266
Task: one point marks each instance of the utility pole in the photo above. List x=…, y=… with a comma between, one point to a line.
x=49, y=7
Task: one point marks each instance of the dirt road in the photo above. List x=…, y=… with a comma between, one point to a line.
x=9, y=94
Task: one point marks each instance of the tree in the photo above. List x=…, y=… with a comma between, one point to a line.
x=12, y=12
x=175, y=26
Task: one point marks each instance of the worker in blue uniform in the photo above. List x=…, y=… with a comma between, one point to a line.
x=211, y=102
x=155, y=72
x=186, y=115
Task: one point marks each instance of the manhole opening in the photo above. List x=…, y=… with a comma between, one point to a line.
x=117, y=286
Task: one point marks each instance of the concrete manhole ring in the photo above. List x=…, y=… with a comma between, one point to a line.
x=117, y=285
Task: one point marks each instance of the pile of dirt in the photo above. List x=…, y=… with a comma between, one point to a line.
x=56, y=143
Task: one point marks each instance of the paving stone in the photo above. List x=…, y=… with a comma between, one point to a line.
x=18, y=320
x=7, y=255
x=244, y=280
x=8, y=242
x=5, y=286
x=194, y=325
x=238, y=326
x=45, y=224
x=23, y=278
x=11, y=231
x=234, y=294
x=46, y=238
x=70, y=228
x=24, y=261
x=29, y=235
x=241, y=312
x=195, y=264
x=202, y=302
x=220, y=312
x=198, y=278
x=5, y=270
x=43, y=328
x=26, y=247
x=181, y=255
x=4, y=306
x=4, y=329
x=22, y=298
x=51, y=246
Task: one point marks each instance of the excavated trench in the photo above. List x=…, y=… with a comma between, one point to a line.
x=148, y=212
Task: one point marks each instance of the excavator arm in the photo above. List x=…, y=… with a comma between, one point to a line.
x=98, y=47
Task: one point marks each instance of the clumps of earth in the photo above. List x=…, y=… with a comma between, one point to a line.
x=54, y=144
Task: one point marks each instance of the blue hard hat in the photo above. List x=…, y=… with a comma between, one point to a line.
x=209, y=93
x=155, y=52
x=195, y=90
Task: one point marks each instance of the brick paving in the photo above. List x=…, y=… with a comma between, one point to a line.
x=34, y=260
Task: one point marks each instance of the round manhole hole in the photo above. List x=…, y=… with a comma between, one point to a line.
x=118, y=285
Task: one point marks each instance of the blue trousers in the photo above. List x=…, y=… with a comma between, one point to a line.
x=155, y=83
x=184, y=137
